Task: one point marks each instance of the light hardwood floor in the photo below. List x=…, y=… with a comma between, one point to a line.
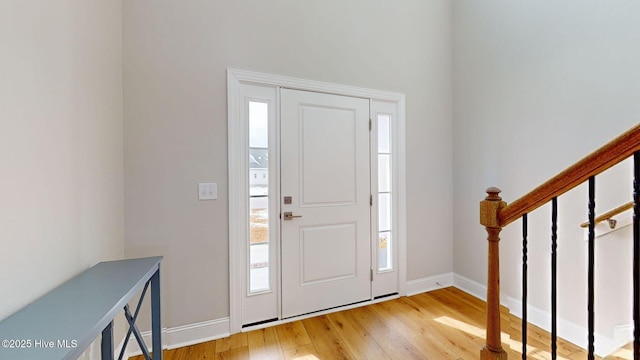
x=442, y=324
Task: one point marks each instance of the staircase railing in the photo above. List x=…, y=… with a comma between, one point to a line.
x=495, y=214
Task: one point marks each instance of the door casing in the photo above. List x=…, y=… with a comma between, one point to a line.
x=238, y=181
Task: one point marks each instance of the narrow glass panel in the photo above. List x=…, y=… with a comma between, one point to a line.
x=384, y=251
x=384, y=173
x=258, y=172
x=258, y=197
x=259, y=219
x=259, y=267
x=383, y=134
x=258, y=124
x=384, y=210
x=384, y=193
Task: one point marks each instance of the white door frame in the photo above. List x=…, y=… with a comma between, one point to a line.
x=238, y=182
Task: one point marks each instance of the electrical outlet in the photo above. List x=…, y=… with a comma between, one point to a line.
x=207, y=191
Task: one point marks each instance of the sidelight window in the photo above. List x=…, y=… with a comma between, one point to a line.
x=259, y=240
x=385, y=240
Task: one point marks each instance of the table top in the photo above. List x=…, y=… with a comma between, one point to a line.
x=64, y=322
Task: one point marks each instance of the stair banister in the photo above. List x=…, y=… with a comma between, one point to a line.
x=495, y=214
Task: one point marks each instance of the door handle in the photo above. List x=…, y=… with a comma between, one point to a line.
x=289, y=215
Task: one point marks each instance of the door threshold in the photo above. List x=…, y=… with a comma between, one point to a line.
x=258, y=323
x=269, y=323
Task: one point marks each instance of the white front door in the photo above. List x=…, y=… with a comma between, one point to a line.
x=325, y=187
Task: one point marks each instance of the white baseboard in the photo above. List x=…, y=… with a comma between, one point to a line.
x=197, y=333
x=186, y=335
x=427, y=284
x=568, y=330
x=119, y=348
x=471, y=287
x=623, y=334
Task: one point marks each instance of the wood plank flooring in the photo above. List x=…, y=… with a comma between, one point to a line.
x=442, y=324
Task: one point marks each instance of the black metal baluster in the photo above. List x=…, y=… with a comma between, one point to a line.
x=590, y=276
x=554, y=293
x=524, y=286
x=636, y=255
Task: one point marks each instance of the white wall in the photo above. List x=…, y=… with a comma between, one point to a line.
x=175, y=59
x=61, y=156
x=538, y=85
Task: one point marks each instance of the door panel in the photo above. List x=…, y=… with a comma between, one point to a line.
x=326, y=245
x=319, y=185
x=318, y=243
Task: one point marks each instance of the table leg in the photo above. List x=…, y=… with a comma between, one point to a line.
x=106, y=344
x=156, y=324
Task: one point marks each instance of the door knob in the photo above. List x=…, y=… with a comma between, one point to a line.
x=289, y=215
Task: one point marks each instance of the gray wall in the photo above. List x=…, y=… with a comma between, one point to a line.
x=61, y=154
x=175, y=60
x=538, y=85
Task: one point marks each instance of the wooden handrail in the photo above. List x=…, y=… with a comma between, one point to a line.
x=595, y=163
x=609, y=214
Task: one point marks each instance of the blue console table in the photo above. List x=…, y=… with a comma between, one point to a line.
x=65, y=321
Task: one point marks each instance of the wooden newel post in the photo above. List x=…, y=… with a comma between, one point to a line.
x=489, y=210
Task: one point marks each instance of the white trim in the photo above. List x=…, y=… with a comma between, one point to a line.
x=471, y=287
x=119, y=348
x=134, y=350
x=132, y=346
x=237, y=228
x=623, y=334
x=427, y=284
x=567, y=330
x=181, y=336
x=197, y=333
x=401, y=160
x=311, y=85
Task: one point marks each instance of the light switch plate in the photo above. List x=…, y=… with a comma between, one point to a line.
x=207, y=191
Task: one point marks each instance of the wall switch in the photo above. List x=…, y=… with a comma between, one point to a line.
x=207, y=191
